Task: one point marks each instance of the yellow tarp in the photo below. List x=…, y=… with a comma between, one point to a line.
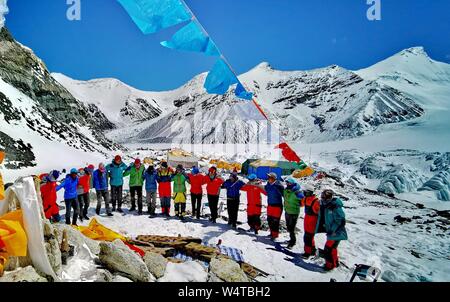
x=97, y=231
x=13, y=238
x=226, y=165
x=308, y=171
x=2, y=188
x=148, y=161
x=180, y=153
x=264, y=163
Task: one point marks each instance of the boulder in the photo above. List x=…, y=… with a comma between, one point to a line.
x=27, y=274
x=52, y=246
x=156, y=264
x=227, y=270
x=104, y=275
x=117, y=257
x=77, y=239
x=122, y=279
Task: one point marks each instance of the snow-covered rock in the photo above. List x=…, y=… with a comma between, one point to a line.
x=227, y=270
x=400, y=179
x=156, y=264
x=190, y=271
x=117, y=257
x=26, y=274
x=77, y=239
x=440, y=183
x=52, y=246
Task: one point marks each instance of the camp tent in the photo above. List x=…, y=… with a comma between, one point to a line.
x=246, y=165
x=180, y=157
x=262, y=167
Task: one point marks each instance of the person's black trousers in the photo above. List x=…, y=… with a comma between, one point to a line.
x=291, y=223
x=196, y=204
x=84, y=202
x=133, y=191
x=71, y=204
x=233, y=209
x=116, y=197
x=213, y=201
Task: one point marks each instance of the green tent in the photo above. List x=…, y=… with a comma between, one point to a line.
x=246, y=165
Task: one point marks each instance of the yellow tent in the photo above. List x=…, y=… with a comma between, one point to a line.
x=13, y=238
x=308, y=171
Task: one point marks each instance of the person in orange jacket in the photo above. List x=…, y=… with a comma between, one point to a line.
x=49, y=197
x=84, y=186
x=254, y=189
x=312, y=209
x=213, y=186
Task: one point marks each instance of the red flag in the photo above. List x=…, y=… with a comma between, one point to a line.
x=288, y=153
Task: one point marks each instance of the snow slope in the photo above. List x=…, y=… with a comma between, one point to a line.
x=122, y=104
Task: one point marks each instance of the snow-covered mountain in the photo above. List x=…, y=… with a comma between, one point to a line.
x=39, y=119
x=123, y=105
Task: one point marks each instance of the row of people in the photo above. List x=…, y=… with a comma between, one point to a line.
x=324, y=215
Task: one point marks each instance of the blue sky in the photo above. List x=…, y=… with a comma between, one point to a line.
x=289, y=34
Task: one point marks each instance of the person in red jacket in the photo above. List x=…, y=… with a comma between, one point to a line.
x=48, y=194
x=197, y=180
x=84, y=186
x=312, y=209
x=213, y=187
x=254, y=189
x=164, y=179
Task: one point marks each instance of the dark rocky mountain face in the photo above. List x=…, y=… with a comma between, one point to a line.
x=55, y=114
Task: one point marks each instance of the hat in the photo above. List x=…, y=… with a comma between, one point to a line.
x=291, y=181
x=74, y=171
x=137, y=161
x=91, y=167
x=118, y=158
x=180, y=167
x=272, y=175
x=327, y=194
x=212, y=169
x=164, y=164
x=252, y=177
x=195, y=170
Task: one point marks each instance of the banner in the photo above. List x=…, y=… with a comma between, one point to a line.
x=220, y=78
x=192, y=38
x=152, y=16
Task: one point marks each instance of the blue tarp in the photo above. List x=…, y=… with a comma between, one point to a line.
x=192, y=38
x=152, y=16
x=220, y=78
x=262, y=171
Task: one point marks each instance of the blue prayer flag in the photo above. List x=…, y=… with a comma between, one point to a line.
x=241, y=93
x=220, y=78
x=152, y=16
x=192, y=38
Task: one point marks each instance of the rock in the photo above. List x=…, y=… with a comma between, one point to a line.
x=117, y=257
x=27, y=274
x=156, y=264
x=52, y=246
x=227, y=270
x=415, y=254
x=77, y=239
x=401, y=219
x=104, y=275
x=420, y=206
x=372, y=222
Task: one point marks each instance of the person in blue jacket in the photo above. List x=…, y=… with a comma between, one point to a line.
x=331, y=221
x=233, y=185
x=70, y=184
x=116, y=170
x=151, y=186
x=100, y=182
x=275, y=191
